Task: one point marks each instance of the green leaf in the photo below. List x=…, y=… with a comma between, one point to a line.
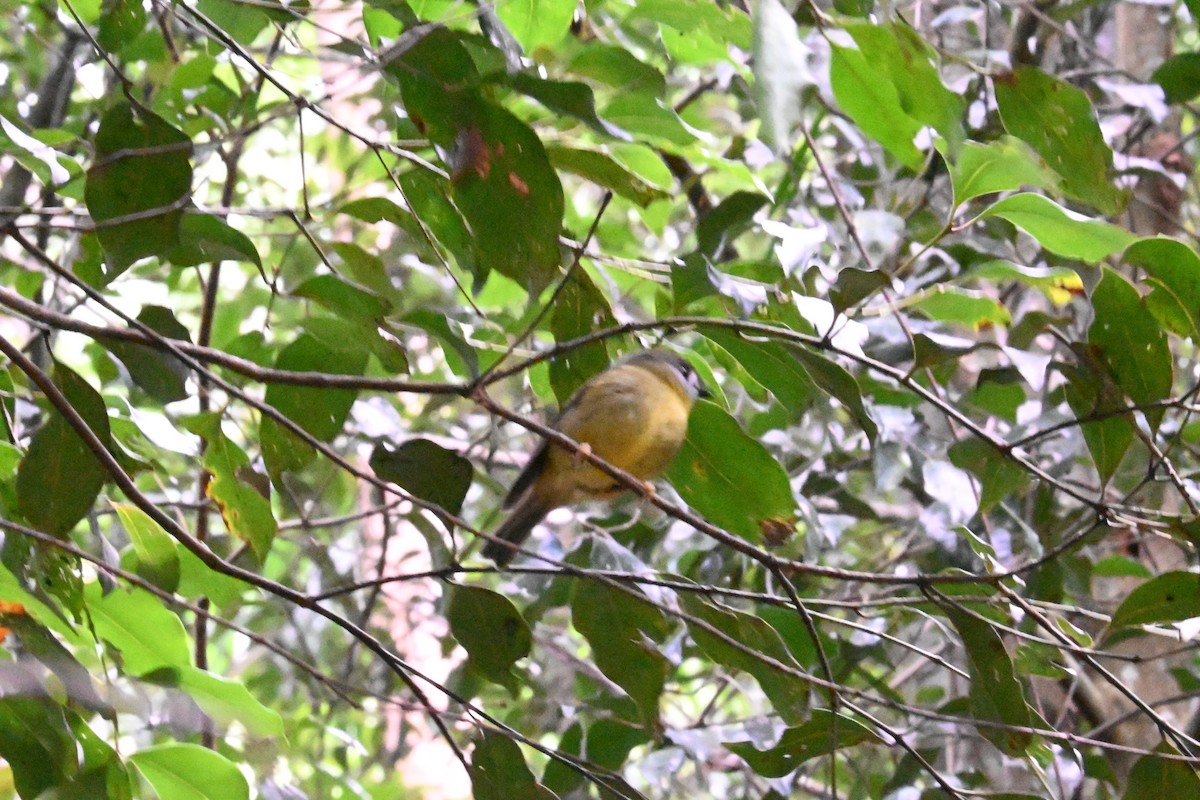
x=874, y=105
x=240, y=21
x=157, y=553
x=1091, y=392
x=1058, y=121
x=8, y=406
x=135, y=622
x=963, y=307
x=253, y=347
x=1061, y=231
x=1179, y=77
x=696, y=33
x=1132, y=343
x=204, y=238
x=426, y=470
x=693, y=280
x=190, y=772
x=1041, y=660
x=321, y=412
x=491, y=630
x=1172, y=597
x=10, y=456
x=773, y=365
x=343, y=298
x=460, y=355
x=1118, y=566
x=377, y=209
x=995, y=692
x=197, y=579
x=426, y=194
x=247, y=513
x=42, y=612
x=282, y=13
x=743, y=494
x=36, y=743
x=795, y=634
x=501, y=179
x=141, y=168
x=999, y=166
x=1056, y=282
x=760, y=644
x=155, y=647
x=511, y=198
x=834, y=380
x=618, y=626
x=891, y=89
x=566, y=98
x=799, y=744
x=1173, y=272
x=101, y=773
x=610, y=740
x=603, y=170
x=855, y=285
x=59, y=478
x=1078, y=635
x=498, y=771
x=998, y=393
x=648, y=118
x=999, y=477
x=368, y=271
x=1154, y=778
x=158, y=374
x=686, y=16
x=32, y=151
x=608, y=744
x=645, y=162
x=536, y=23
x=121, y=22
x=854, y=8
x=227, y=702
x=729, y=219
x=579, y=309
x=617, y=67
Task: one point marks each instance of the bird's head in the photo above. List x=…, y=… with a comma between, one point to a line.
x=672, y=368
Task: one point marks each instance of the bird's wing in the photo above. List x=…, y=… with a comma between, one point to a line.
x=533, y=468
x=573, y=420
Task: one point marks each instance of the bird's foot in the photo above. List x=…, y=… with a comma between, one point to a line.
x=583, y=453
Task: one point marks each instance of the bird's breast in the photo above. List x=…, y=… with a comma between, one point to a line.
x=629, y=417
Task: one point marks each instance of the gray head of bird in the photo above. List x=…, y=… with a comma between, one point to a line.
x=672, y=368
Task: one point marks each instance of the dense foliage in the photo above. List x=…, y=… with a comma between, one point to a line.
x=290, y=290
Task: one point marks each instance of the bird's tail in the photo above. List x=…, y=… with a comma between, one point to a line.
x=515, y=528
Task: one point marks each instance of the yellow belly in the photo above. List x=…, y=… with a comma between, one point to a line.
x=627, y=416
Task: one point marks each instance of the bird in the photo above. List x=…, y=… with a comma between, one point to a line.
x=634, y=415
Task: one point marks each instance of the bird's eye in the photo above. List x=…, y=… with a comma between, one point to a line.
x=692, y=378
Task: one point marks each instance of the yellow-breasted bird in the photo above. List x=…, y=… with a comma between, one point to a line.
x=634, y=415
